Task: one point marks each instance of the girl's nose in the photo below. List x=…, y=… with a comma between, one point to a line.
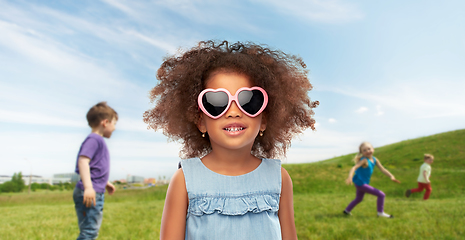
x=233, y=111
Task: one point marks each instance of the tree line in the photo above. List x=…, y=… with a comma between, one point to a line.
x=16, y=184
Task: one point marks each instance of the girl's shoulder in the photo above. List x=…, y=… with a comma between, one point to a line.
x=177, y=184
x=184, y=163
x=190, y=165
x=272, y=162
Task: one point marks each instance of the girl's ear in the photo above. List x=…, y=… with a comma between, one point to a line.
x=201, y=124
x=263, y=124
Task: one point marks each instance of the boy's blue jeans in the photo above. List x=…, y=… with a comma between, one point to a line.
x=89, y=218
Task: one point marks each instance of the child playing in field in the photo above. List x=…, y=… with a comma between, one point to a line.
x=234, y=107
x=363, y=169
x=93, y=166
x=423, y=178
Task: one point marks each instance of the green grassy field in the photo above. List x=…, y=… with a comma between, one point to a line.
x=320, y=195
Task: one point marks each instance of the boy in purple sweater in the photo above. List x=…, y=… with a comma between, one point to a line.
x=93, y=166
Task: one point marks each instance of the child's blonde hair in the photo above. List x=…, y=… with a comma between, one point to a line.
x=359, y=155
x=428, y=156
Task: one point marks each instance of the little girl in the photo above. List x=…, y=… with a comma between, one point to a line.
x=233, y=107
x=364, y=165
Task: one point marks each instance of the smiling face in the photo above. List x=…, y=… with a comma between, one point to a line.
x=367, y=150
x=234, y=130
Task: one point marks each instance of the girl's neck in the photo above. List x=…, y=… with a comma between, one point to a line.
x=231, y=163
x=370, y=157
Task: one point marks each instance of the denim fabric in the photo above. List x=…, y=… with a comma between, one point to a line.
x=233, y=207
x=89, y=218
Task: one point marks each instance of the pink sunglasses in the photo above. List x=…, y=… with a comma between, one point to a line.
x=216, y=102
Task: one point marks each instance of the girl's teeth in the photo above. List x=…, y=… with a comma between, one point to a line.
x=234, y=129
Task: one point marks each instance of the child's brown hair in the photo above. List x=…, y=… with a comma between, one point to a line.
x=182, y=78
x=99, y=112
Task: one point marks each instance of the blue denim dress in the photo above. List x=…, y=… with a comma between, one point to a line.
x=233, y=207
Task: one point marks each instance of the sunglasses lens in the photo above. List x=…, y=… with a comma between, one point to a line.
x=251, y=101
x=215, y=102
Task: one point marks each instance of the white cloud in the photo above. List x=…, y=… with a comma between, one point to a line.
x=121, y=6
x=205, y=13
x=331, y=11
x=378, y=111
x=361, y=110
x=322, y=144
x=152, y=41
x=58, y=58
x=120, y=37
x=113, y=31
x=424, y=98
x=136, y=149
x=35, y=118
x=46, y=82
x=332, y=120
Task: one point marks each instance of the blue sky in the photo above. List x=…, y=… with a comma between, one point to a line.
x=383, y=72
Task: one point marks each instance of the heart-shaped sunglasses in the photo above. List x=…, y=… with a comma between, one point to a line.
x=216, y=102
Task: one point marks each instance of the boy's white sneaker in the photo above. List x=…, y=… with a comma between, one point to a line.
x=383, y=214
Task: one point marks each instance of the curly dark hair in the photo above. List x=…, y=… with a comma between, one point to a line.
x=182, y=78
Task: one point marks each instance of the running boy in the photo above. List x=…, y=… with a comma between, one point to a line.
x=93, y=166
x=423, y=178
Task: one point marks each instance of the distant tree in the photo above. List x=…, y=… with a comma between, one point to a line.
x=9, y=187
x=69, y=186
x=15, y=185
x=35, y=186
x=17, y=179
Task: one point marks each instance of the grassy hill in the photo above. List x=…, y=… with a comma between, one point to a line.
x=402, y=159
x=320, y=195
